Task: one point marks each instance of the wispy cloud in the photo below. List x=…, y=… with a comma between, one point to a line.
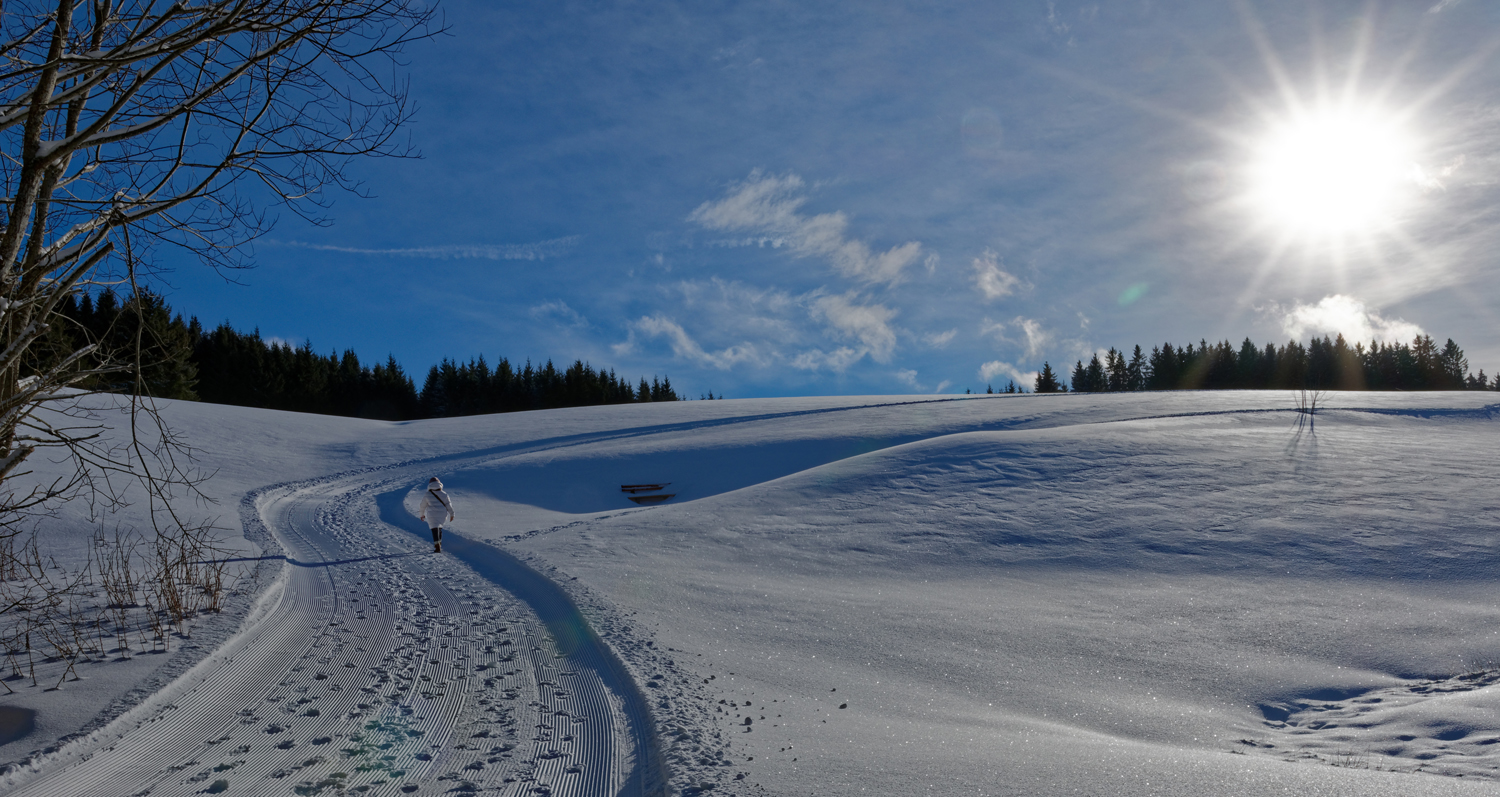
x=771, y=326
x=908, y=376
x=769, y=209
x=560, y=312
x=1430, y=180
x=732, y=297
x=995, y=368
x=1036, y=336
x=1032, y=334
x=837, y=360
x=868, y=324
x=539, y=250
x=939, y=340
x=993, y=281
x=685, y=347
x=772, y=319
x=1055, y=20
x=1345, y=315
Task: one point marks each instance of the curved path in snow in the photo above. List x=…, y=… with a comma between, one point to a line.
x=376, y=667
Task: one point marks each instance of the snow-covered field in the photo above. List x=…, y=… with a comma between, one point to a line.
x=1157, y=594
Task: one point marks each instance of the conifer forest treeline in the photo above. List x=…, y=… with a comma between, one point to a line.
x=180, y=359
x=1322, y=364
x=183, y=360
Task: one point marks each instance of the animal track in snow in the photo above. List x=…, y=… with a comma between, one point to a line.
x=1446, y=726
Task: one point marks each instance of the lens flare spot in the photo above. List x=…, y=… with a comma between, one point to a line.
x=1133, y=294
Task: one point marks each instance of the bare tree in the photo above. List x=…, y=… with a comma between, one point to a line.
x=128, y=126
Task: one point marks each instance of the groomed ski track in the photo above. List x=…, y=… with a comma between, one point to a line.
x=374, y=666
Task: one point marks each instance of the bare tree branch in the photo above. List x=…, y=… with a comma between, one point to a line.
x=128, y=125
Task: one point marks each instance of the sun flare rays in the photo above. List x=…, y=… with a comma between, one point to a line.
x=1333, y=171
x=1342, y=163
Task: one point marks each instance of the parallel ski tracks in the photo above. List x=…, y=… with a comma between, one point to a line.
x=373, y=670
x=370, y=668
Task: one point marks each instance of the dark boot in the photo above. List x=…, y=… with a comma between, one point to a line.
x=437, y=540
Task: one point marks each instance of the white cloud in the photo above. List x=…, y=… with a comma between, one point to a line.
x=770, y=326
x=684, y=346
x=540, y=250
x=1436, y=180
x=769, y=207
x=774, y=320
x=1345, y=315
x=1443, y=5
x=1034, y=336
x=837, y=360
x=867, y=324
x=938, y=340
x=995, y=368
x=731, y=296
x=1054, y=19
x=559, y=310
x=908, y=376
x=993, y=281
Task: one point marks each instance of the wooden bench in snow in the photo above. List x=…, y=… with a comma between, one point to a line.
x=646, y=488
x=651, y=499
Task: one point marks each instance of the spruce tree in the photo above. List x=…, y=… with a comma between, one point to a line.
x=1097, y=381
x=1454, y=367
x=1135, y=372
x=1117, y=372
x=1046, y=381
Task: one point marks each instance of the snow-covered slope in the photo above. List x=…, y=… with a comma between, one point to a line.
x=1185, y=593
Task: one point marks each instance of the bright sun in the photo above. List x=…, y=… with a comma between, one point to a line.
x=1332, y=172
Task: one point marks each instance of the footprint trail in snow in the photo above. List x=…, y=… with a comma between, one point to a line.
x=375, y=668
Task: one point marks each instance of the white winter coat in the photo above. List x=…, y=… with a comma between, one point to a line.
x=436, y=508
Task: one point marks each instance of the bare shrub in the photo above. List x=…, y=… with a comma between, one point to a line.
x=128, y=126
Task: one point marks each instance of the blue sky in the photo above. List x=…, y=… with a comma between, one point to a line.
x=838, y=198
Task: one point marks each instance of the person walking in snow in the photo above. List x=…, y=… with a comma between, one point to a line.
x=436, y=509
